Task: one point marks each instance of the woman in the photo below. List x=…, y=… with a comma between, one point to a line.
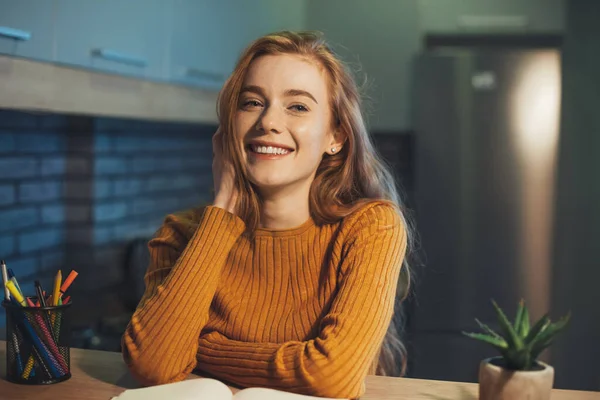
x=288, y=280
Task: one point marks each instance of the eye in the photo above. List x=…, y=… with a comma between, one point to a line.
x=249, y=104
x=299, y=107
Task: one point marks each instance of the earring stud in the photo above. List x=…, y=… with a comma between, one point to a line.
x=333, y=149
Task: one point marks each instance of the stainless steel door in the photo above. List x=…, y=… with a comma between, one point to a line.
x=486, y=138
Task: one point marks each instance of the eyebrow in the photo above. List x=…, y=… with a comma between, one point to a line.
x=288, y=93
x=298, y=92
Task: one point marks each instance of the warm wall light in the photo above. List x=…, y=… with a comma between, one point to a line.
x=535, y=126
x=536, y=103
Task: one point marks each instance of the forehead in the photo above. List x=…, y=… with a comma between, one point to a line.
x=278, y=73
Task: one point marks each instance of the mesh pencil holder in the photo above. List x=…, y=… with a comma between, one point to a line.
x=37, y=344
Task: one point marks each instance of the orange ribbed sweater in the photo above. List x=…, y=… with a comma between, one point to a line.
x=303, y=310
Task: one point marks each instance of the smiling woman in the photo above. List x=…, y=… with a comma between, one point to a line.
x=290, y=278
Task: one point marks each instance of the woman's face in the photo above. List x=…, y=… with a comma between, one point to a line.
x=283, y=122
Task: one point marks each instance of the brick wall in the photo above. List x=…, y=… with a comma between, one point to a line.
x=74, y=191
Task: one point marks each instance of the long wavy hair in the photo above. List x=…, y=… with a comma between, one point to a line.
x=343, y=181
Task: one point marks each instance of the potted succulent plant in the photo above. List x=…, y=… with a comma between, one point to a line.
x=517, y=374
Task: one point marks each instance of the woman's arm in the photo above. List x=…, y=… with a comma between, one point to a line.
x=160, y=342
x=336, y=362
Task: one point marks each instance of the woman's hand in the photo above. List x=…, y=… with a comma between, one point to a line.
x=223, y=176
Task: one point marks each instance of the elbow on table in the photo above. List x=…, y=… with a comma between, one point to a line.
x=336, y=384
x=151, y=371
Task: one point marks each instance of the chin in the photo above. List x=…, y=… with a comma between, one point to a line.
x=269, y=182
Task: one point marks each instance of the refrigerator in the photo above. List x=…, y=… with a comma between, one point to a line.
x=486, y=145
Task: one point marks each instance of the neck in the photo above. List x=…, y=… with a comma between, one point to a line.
x=284, y=209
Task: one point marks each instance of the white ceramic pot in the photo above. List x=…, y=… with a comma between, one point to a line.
x=498, y=383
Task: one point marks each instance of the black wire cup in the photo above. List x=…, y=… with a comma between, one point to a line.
x=38, y=343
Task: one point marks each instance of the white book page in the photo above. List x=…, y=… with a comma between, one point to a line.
x=193, y=389
x=271, y=394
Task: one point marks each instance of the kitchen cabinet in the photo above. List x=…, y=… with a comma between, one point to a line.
x=192, y=42
x=27, y=29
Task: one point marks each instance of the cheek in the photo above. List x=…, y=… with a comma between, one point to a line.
x=311, y=137
x=243, y=123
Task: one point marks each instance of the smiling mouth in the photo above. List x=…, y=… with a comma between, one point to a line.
x=268, y=150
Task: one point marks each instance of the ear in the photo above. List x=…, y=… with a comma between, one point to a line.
x=336, y=143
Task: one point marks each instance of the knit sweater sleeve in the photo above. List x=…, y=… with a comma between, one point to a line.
x=159, y=344
x=336, y=362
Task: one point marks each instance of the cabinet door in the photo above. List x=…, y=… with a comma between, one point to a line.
x=209, y=36
x=126, y=37
x=197, y=54
x=27, y=28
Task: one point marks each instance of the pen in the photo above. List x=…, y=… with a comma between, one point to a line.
x=40, y=293
x=5, y=280
x=37, y=303
x=30, y=361
x=17, y=352
x=49, y=320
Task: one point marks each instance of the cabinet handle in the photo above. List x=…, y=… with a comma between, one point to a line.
x=197, y=73
x=119, y=57
x=16, y=34
x=205, y=79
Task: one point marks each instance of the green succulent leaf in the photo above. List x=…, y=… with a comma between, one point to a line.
x=511, y=336
x=539, y=327
x=487, y=329
x=524, y=331
x=498, y=342
x=519, y=316
x=535, y=352
x=543, y=340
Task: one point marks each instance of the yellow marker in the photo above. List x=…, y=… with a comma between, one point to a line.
x=28, y=368
x=56, y=292
x=15, y=293
x=14, y=280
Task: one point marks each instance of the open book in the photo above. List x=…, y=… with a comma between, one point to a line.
x=207, y=389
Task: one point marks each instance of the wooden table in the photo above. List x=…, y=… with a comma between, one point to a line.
x=99, y=375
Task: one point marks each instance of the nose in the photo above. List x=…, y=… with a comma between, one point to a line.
x=270, y=121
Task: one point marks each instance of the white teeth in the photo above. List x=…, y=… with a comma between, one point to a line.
x=269, y=150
